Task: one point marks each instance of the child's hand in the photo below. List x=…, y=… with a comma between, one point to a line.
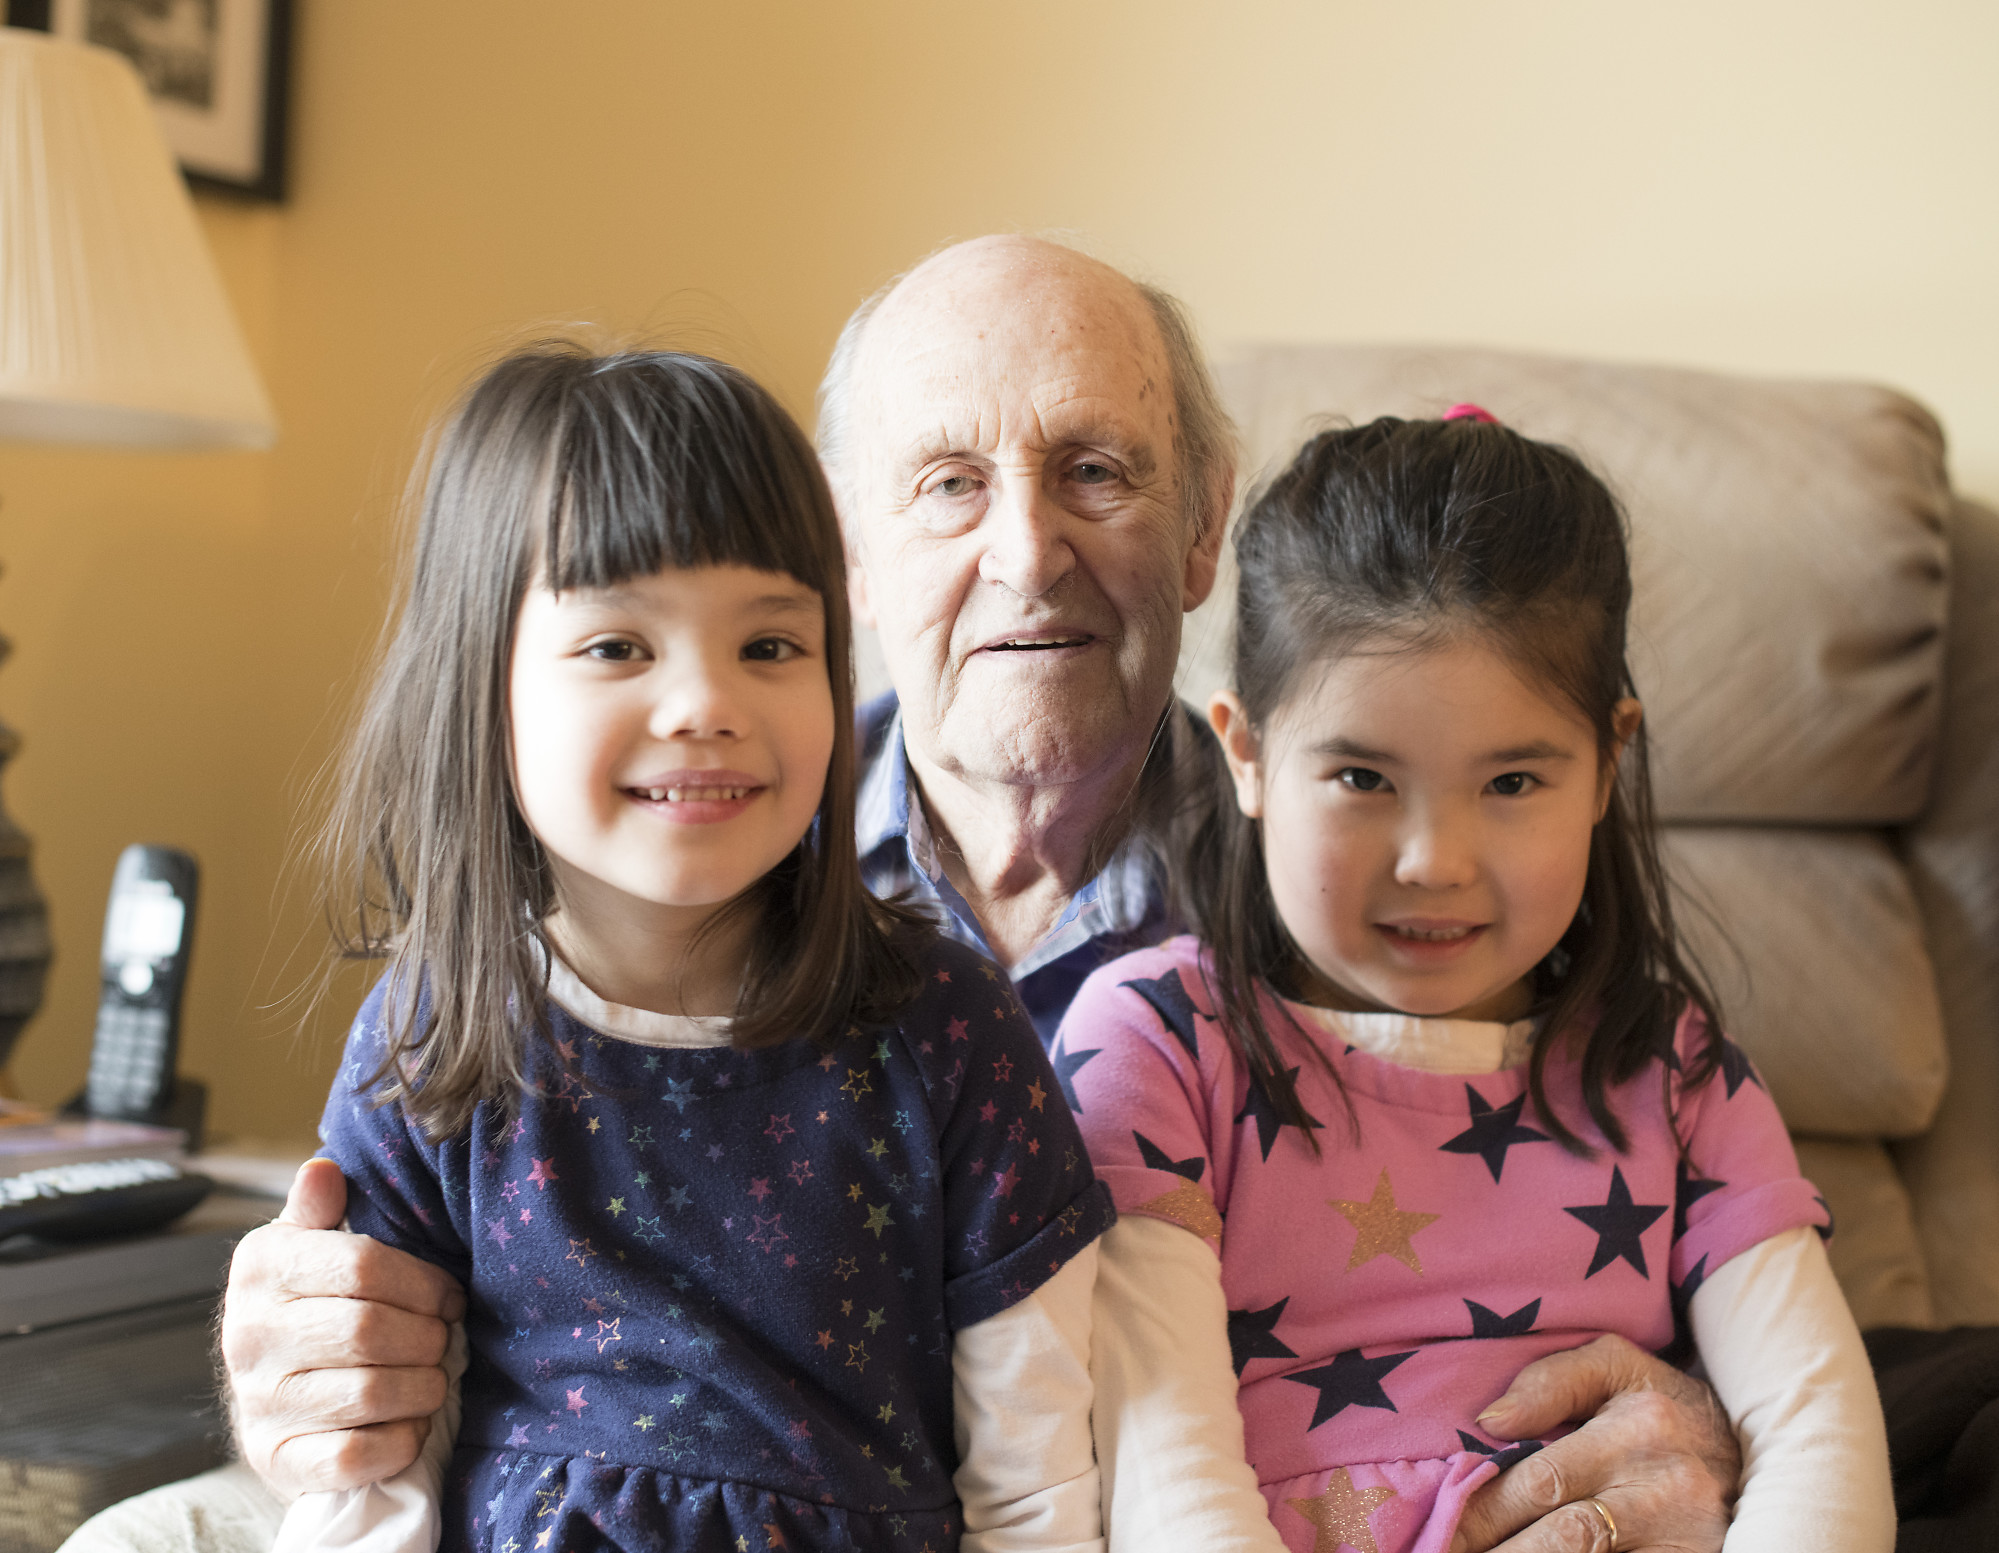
x=1656, y=1449
x=333, y=1344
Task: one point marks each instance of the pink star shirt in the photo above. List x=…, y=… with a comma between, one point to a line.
x=1383, y=1291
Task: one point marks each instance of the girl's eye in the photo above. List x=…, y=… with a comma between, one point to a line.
x=771, y=649
x=1360, y=779
x=1513, y=784
x=613, y=652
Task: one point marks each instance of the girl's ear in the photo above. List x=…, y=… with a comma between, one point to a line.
x=1624, y=720
x=1241, y=748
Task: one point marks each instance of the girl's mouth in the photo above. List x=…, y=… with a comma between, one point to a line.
x=696, y=797
x=1431, y=941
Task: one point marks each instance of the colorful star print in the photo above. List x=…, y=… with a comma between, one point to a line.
x=713, y=1294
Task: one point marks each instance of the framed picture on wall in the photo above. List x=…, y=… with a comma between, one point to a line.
x=217, y=71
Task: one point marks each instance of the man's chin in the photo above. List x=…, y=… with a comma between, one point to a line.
x=1039, y=752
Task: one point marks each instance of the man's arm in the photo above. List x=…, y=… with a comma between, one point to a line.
x=333, y=1345
x=1656, y=1448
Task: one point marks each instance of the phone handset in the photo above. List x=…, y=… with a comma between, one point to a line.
x=148, y=931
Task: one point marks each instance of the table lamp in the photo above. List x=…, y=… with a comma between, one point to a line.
x=113, y=330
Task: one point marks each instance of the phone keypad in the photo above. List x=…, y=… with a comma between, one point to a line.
x=127, y=1060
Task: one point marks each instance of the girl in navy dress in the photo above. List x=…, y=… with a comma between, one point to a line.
x=774, y=1229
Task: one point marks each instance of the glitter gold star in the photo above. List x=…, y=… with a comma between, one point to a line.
x=1341, y=1514
x=1380, y=1229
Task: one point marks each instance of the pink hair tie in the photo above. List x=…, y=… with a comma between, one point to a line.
x=1471, y=412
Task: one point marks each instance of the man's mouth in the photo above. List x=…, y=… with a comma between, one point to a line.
x=1040, y=643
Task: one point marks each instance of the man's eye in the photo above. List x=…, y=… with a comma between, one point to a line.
x=1092, y=474
x=954, y=486
x=1514, y=783
x=1361, y=779
x=771, y=649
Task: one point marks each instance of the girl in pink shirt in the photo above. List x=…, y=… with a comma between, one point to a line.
x=1434, y=1093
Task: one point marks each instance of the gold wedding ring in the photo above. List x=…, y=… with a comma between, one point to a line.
x=1609, y=1525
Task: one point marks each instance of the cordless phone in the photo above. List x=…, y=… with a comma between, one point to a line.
x=148, y=930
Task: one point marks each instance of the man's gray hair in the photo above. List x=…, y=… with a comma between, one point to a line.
x=1206, y=439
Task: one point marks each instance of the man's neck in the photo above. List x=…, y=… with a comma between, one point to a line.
x=1019, y=854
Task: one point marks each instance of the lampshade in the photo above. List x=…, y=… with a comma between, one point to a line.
x=113, y=324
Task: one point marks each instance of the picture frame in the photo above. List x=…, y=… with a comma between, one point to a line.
x=218, y=72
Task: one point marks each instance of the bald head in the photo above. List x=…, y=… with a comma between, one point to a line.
x=1020, y=286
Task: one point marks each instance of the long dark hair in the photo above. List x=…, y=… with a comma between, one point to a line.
x=1411, y=529
x=587, y=470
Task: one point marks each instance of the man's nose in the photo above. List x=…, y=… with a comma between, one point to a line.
x=1027, y=550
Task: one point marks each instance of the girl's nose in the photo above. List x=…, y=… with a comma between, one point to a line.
x=697, y=703
x=1437, y=852
x=1025, y=548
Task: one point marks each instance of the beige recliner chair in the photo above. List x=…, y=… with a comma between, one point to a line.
x=1816, y=639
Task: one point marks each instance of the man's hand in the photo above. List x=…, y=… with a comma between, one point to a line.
x=333, y=1344
x=1657, y=1450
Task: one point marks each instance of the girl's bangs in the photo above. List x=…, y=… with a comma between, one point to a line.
x=651, y=469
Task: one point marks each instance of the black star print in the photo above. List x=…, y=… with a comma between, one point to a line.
x=1682, y=1294
x=1736, y=1066
x=1169, y=1000
x=1680, y=1351
x=1490, y=1323
x=1501, y=1458
x=1349, y=1381
x=1252, y=1335
x=1618, y=1223
x=1689, y=1189
x=1159, y=1159
x=1492, y=1132
x=1066, y=1063
x=1258, y=1105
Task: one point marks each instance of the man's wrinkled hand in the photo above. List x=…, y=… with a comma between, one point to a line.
x=333, y=1345
x=1656, y=1449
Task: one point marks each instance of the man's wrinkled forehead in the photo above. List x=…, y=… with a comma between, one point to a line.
x=1013, y=342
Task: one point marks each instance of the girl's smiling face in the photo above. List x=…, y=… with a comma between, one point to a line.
x=1426, y=817
x=671, y=736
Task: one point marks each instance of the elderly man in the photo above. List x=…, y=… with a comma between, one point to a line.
x=1034, y=473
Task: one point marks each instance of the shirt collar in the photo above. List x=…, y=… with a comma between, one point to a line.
x=1119, y=899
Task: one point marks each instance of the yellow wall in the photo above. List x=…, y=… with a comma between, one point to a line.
x=1771, y=187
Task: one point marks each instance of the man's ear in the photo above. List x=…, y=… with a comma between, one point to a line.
x=1241, y=748
x=1624, y=720
x=859, y=603
x=1197, y=578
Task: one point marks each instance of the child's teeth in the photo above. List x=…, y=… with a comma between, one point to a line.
x=1433, y=935
x=693, y=794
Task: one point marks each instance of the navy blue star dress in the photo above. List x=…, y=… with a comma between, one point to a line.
x=711, y=1293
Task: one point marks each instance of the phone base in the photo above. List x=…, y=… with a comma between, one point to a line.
x=185, y=1107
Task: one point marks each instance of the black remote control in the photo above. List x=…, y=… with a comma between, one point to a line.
x=101, y=1197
